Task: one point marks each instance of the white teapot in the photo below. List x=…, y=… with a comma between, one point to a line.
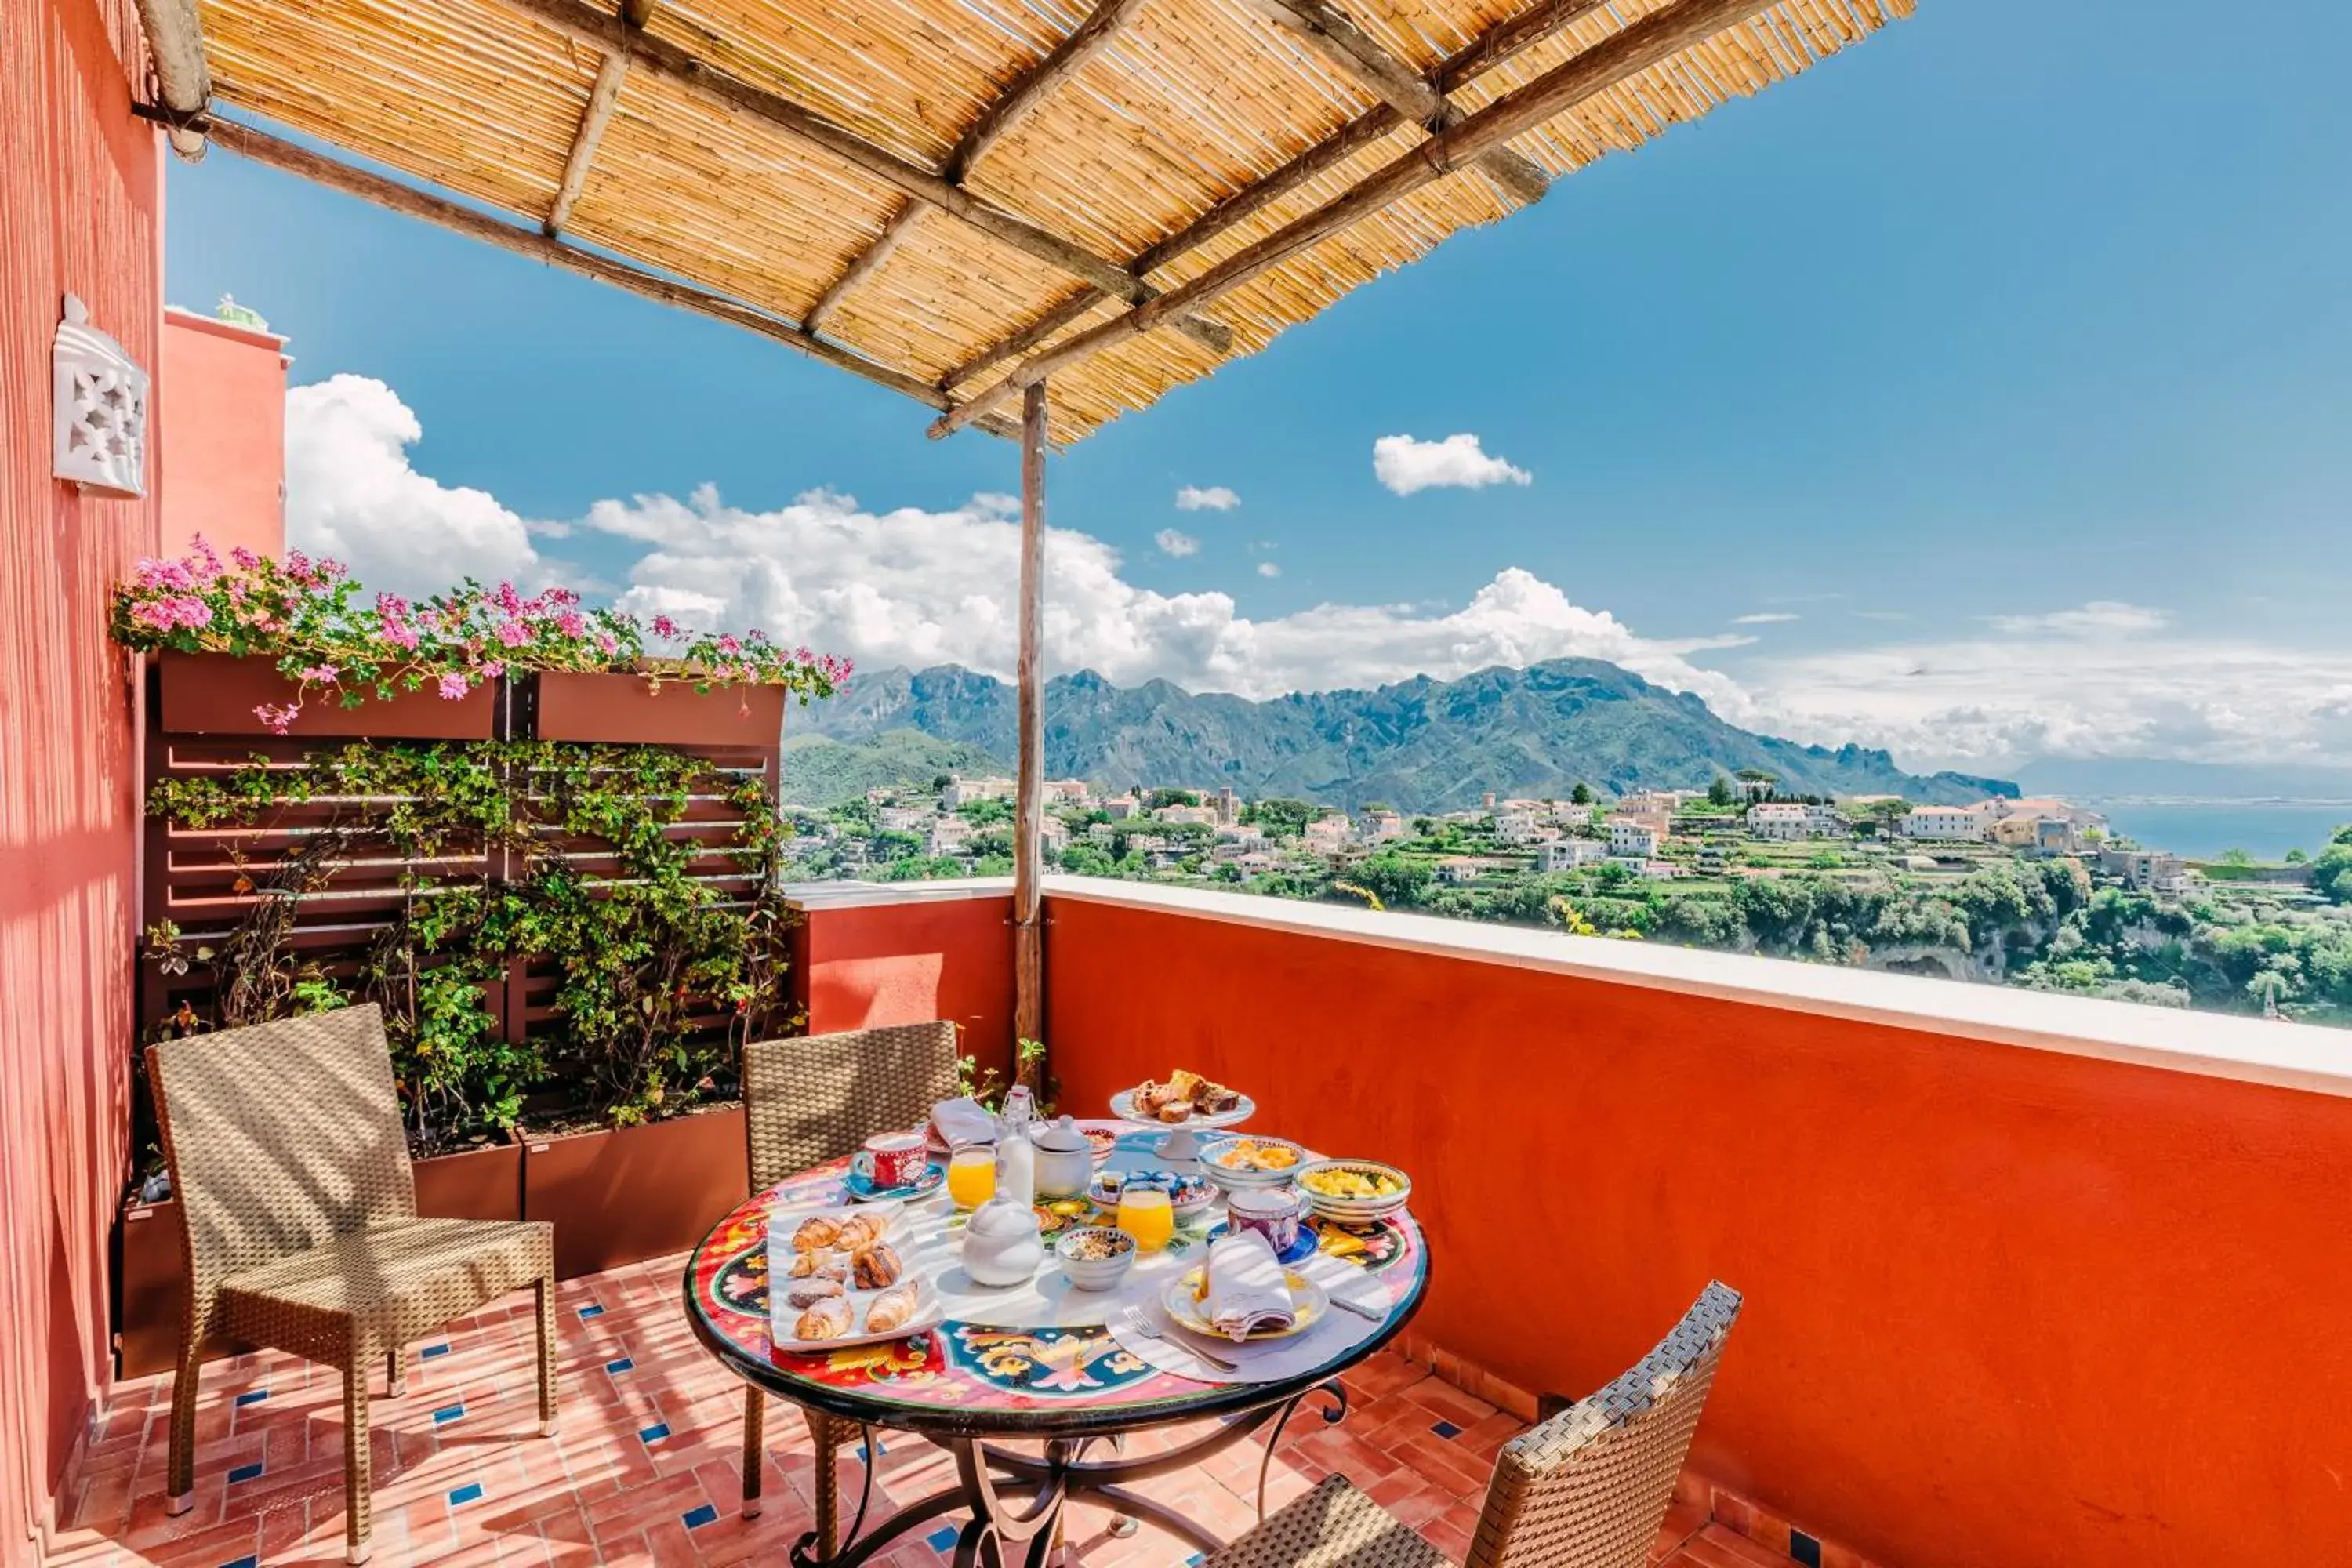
x=1066, y=1161
x=1001, y=1245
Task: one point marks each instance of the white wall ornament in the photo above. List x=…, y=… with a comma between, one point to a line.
x=100, y=424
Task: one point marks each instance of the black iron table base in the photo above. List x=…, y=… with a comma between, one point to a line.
x=1015, y=1500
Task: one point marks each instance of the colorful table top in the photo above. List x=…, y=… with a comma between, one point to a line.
x=1055, y=1369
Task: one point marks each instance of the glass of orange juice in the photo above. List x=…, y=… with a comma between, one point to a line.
x=1145, y=1214
x=971, y=1176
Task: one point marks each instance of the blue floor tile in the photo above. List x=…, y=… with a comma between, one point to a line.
x=619, y=1365
x=943, y=1538
x=253, y=1396
x=1445, y=1428
x=251, y=1472
x=860, y=1450
x=592, y=1310
x=695, y=1518
x=446, y=1414
x=654, y=1433
x=242, y=1563
x=470, y=1492
x=430, y=1352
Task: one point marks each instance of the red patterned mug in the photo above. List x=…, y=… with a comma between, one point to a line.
x=892, y=1159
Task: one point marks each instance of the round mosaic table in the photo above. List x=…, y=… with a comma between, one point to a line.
x=1053, y=1375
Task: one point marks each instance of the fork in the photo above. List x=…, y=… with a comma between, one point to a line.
x=1137, y=1323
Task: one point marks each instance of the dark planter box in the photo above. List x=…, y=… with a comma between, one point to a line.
x=216, y=694
x=481, y=1183
x=625, y=710
x=623, y=1194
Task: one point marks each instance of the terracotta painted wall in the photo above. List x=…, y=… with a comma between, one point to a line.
x=81, y=186
x=908, y=964
x=2005, y=1306
x=222, y=409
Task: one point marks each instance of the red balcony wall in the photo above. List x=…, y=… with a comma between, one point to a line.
x=860, y=966
x=2004, y=1305
x=80, y=185
x=224, y=440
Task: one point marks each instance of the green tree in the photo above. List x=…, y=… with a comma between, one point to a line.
x=1160, y=797
x=1718, y=791
x=2236, y=856
x=1281, y=818
x=1582, y=794
x=1398, y=879
x=986, y=812
x=2332, y=872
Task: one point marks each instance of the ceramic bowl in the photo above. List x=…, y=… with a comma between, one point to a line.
x=1233, y=1179
x=1095, y=1273
x=1354, y=1211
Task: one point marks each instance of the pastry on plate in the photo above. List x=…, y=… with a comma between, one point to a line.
x=894, y=1307
x=809, y=1293
x=858, y=1230
x=827, y=1320
x=877, y=1266
x=819, y=1230
x=822, y=1260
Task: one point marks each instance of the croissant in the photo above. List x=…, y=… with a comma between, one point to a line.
x=827, y=1320
x=809, y=1293
x=877, y=1266
x=859, y=1230
x=817, y=1260
x=817, y=1231
x=894, y=1307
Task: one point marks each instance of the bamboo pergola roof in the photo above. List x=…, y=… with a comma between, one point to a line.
x=957, y=197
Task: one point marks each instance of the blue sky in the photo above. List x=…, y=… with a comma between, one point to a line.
x=2015, y=308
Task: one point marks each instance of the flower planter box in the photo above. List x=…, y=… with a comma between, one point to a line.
x=626, y=709
x=216, y=694
x=622, y=1194
x=480, y=1184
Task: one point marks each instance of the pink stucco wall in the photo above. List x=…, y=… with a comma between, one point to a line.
x=81, y=186
x=221, y=407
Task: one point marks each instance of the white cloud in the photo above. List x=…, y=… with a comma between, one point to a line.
x=1764, y=618
x=1269, y=569
x=351, y=493
x=1173, y=543
x=2099, y=618
x=1405, y=465
x=1212, y=497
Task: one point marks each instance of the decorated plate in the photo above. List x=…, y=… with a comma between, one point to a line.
x=1122, y=1105
x=1302, y=1249
x=1306, y=1298
x=861, y=1188
x=1243, y=1161
x=1191, y=1194
x=926, y=1318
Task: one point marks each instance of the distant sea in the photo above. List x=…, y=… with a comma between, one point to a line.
x=2203, y=829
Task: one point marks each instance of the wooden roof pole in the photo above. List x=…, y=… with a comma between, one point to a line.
x=1334, y=34
x=1014, y=105
x=633, y=17
x=1489, y=50
x=264, y=148
x=1656, y=37
x=1029, y=805
x=175, y=43
x=657, y=57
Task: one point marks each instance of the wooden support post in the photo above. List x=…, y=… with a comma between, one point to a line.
x=1029, y=818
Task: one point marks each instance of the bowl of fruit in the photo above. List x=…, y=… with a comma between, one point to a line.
x=1237, y=1162
x=1354, y=1192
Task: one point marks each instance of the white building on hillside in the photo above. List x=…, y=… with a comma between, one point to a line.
x=1067, y=791
x=1381, y=826
x=1782, y=820
x=1947, y=824
x=1199, y=815
x=1568, y=854
x=1457, y=870
x=1516, y=827
x=1631, y=840
x=1328, y=834
x=962, y=792
x=1119, y=808
x=904, y=818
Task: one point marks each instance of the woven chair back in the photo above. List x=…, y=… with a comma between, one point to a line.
x=817, y=1097
x=1589, y=1488
x=280, y=1137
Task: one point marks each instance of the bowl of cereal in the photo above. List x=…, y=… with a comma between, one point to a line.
x=1094, y=1257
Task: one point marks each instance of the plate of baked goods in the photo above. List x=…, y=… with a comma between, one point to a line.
x=835, y=1279
x=1185, y=1097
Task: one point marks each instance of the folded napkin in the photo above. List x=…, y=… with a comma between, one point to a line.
x=963, y=1121
x=1248, y=1289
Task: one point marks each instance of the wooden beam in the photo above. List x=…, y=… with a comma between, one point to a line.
x=175, y=42
x=1333, y=34
x=264, y=148
x=1014, y=105
x=1029, y=805
x=657, y=55
x=634, y=13
x=1656, y=37
x=1498, y=44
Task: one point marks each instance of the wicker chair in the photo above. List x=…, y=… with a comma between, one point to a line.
x=299, y=1222
x=809, y=1099
x=1586, y=1489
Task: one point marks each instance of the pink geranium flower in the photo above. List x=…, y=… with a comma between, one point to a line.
x=454, y=686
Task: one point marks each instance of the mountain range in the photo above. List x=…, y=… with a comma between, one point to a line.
x=1420, y=745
